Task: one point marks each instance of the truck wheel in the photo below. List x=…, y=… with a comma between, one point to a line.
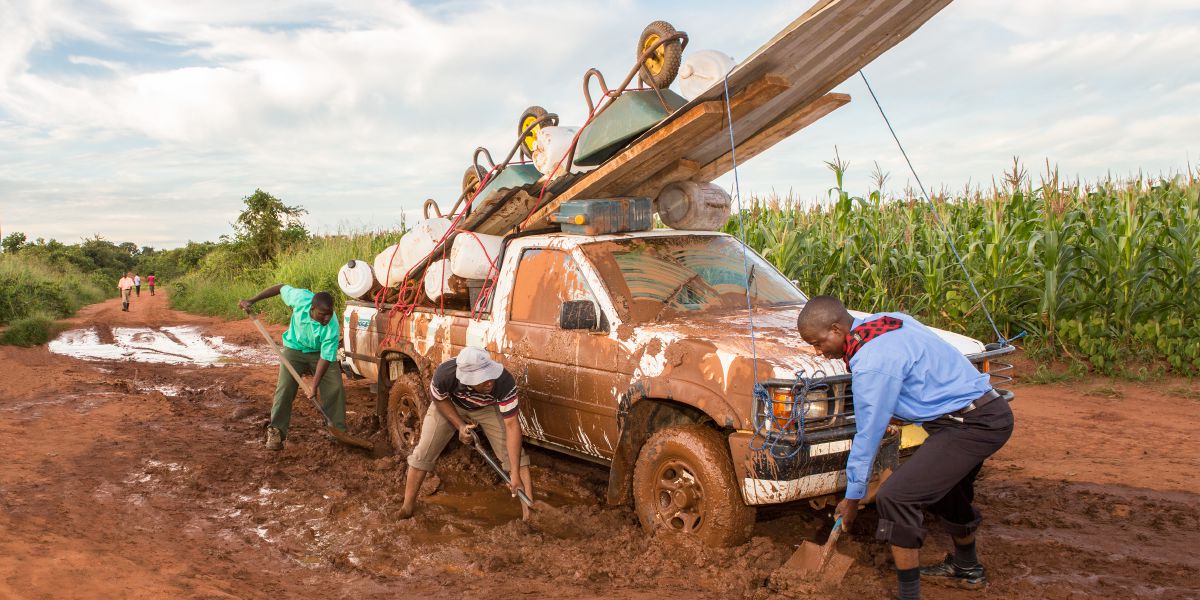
x=406, y=412
x=684, y=482
x=528, y=118
x=661, y=67
x=470, y=180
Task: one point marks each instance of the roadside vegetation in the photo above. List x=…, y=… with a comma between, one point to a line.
x=270, y=245
x=38, y=287
x=1105, y=273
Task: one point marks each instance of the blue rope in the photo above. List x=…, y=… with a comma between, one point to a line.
x=737, y=191
x=936, y=216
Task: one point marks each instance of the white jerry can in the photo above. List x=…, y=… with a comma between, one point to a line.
x=356, y=279
x=389, y=267
x=551, y=146
x=422, y=239
x=701, y=70
x=437, y=280
x=472, y=254
x=692, y=205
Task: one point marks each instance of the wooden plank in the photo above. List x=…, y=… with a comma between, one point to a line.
x=647, y=156
x=800, y=118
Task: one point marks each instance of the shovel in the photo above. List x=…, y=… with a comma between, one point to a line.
x=340, y=435
x=821, y=563
x=495, y=465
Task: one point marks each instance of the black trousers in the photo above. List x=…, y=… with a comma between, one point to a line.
x=940, y=476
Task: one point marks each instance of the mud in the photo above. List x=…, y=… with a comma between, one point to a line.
x=134, y=479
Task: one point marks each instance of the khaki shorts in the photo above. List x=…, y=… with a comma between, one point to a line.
x=436, y=432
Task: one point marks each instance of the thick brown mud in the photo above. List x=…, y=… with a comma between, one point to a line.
x=133, y=479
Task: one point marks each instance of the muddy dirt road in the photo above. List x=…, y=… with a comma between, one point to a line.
x=134, y=479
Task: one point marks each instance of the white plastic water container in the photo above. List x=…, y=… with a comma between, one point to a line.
x=356, y=279
x=437, y=280
x=472, y=254
x=389, y=266
x=422, y=239
x=552, y=145
x=701, y=70
x=694, y=206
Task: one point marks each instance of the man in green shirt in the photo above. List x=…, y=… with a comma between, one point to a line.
x=310, y=344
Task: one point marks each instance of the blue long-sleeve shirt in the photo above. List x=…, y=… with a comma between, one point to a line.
x=909, y=373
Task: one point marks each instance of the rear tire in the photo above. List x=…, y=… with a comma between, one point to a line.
x=661, y=67
x=405, y=413
x=684, y=482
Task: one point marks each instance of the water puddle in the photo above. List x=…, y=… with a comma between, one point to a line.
x=171, y=345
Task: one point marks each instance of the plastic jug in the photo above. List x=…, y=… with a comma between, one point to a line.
x=437, y=280
x=356, y=279
x=552, y=145
x=701, y=70
x=472, y=254
x=389, y=266
x=422, y=239
x=692, y=205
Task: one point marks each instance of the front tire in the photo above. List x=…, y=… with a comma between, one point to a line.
x=684, y=482
x=406, y=411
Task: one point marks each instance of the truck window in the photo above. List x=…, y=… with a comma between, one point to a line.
x=546, y=279
x=661, y=278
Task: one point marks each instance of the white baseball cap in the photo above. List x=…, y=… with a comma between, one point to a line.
x=475, y=366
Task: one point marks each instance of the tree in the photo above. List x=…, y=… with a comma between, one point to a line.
x=262, y=225
x=13, y=241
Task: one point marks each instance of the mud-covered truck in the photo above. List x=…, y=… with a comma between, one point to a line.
x=635, y=351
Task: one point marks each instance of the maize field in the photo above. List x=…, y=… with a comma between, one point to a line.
x=1105, y=273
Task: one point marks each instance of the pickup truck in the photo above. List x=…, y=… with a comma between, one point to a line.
x=633, y=351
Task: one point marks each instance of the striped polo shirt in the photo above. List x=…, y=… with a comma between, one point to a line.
x=445, y=385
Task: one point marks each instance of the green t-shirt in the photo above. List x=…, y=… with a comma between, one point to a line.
x=305, y=334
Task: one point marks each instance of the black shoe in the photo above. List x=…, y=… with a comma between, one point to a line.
x=948, y=573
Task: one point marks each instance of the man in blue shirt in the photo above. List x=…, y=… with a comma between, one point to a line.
x=310, y=344
x=900, y=368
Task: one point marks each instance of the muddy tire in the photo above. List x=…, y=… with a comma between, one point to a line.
x=528, y=118
x=661, y=67
x=405, y=413
x=684, y=482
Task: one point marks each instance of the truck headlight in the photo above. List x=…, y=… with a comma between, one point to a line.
x=781, y=407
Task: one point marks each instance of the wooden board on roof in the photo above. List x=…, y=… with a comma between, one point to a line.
x=781, y=88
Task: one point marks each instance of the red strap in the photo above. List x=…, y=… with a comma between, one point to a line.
x=867, y=332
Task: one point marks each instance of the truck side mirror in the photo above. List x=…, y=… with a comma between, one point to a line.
x=577, y=314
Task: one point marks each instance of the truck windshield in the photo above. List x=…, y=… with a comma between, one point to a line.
x=661, y=278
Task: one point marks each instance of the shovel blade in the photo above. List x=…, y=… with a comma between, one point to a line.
x=807, y=561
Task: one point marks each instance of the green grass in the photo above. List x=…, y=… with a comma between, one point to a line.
x=30, y=287
x=33, y=330
x=223, y=280
x=1047, y=374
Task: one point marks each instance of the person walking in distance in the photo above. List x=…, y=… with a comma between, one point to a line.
x=469, y=391
x=137, y=284
x=310, y=344
x=900, y=368
x=150, y=282
x=126, y=287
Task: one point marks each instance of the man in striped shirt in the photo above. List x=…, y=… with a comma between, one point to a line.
x=468, y=391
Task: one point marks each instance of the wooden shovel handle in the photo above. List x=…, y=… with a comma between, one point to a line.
x=283, y=359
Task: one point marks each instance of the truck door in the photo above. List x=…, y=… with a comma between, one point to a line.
x=544, y=357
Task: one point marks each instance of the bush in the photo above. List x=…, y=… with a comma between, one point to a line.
x=222, y=279
x=29, y=286
x=29, y=331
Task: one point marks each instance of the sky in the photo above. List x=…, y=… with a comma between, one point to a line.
x=149, y=121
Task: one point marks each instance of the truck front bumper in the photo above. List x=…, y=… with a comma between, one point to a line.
x=816, y=470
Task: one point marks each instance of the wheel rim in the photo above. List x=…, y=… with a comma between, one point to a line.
x=654, y=63
x=530, y=138
x=406, y=423
x=678, y=497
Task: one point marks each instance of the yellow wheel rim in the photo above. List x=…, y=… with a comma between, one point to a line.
x=654, y=62
x=531, y=137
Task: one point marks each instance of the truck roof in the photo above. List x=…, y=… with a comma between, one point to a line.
x=572, y=239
